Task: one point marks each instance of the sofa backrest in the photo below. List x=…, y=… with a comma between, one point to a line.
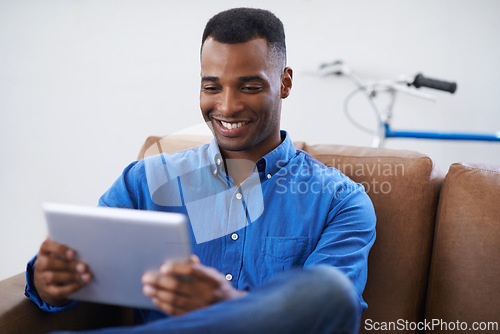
x=404, y=187
x=464, y=283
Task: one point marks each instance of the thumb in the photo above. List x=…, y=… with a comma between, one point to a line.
x=194, y=259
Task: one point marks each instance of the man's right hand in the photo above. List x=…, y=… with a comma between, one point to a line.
x=57, y=273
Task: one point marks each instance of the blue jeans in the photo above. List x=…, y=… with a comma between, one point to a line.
x=320, y=299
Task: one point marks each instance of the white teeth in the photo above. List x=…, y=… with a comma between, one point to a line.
x=231, y=126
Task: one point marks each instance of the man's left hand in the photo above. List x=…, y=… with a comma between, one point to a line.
x=182, y=287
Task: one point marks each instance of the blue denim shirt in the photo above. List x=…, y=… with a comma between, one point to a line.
x=293, y=211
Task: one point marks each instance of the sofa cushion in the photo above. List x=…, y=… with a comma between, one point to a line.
x=170, y=144
x=464, y=284
x=404, y=188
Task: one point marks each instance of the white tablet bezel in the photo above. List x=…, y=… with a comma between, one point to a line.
x=119, y=245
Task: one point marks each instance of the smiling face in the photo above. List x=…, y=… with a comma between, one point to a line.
x=241, y=90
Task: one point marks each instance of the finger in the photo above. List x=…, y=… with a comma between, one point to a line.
x=183, y=271
x=57, y=278
x=62, y=291
x=161, y=303
x=53, y=248
x=176, y=304
x=202, y=282
x=178, y=268
x=149, y=277
x=194, y=259
x=178, y=301
x=198, y=272
x=64, y=278
x=165, y=307
x=175, y=268
x=44, y=262
x=160, y=281
x=170, y=283
x=48, y=263
x=207, y=275
x=167, y=266
x=80, y=267
x=201, y=290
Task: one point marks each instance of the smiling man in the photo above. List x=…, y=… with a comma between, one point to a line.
x=280, y=241
x=242, y=86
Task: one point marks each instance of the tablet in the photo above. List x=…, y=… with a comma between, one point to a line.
x=119, y=245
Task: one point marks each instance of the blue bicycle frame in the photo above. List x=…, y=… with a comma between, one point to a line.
x=390, y=133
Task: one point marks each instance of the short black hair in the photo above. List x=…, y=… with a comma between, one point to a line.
x=240, y=25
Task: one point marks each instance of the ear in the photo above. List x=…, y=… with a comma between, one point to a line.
x=286, y=82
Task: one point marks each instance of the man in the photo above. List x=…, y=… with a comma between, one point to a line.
x=280, y=241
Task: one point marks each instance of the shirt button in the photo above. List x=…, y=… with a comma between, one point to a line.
x=238, y=196
x=268, y=176
x=218, y=162
x=229, y=277
x=215, y=171
x=234, y=236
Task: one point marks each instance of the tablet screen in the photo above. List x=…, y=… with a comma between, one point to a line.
x=119, y=245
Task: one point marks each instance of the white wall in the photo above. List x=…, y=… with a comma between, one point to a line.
x=83, y=83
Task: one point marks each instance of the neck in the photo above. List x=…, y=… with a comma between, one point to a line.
x=239, y=170
x=240, y=164
x=256, y=152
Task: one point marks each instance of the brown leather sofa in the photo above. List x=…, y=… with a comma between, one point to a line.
x=436, y=260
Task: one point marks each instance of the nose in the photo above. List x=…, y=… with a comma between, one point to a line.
x=229, y=103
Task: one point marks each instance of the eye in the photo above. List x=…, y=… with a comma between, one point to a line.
x=251, y=88
x=210, y=89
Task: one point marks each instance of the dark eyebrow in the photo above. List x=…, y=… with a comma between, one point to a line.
x=251, y=78
x=242, y=79
x=212, y=79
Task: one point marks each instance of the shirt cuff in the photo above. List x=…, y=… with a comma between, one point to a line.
x=32, y=294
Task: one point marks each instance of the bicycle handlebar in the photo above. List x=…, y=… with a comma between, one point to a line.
x=421, y=81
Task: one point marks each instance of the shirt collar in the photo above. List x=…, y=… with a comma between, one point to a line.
x=272, y=162
x=268, y=165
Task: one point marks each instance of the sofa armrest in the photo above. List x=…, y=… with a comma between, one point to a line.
x=19, y=315
x=464, y=277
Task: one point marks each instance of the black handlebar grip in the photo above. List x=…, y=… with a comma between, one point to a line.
x=421, y=81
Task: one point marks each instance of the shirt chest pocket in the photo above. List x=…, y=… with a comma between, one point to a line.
x=281, y=253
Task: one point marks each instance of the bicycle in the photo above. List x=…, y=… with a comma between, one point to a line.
x=392, y=87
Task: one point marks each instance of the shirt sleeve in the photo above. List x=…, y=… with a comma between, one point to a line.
x=348, y=237
x=32, y=294
x=124, y=191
